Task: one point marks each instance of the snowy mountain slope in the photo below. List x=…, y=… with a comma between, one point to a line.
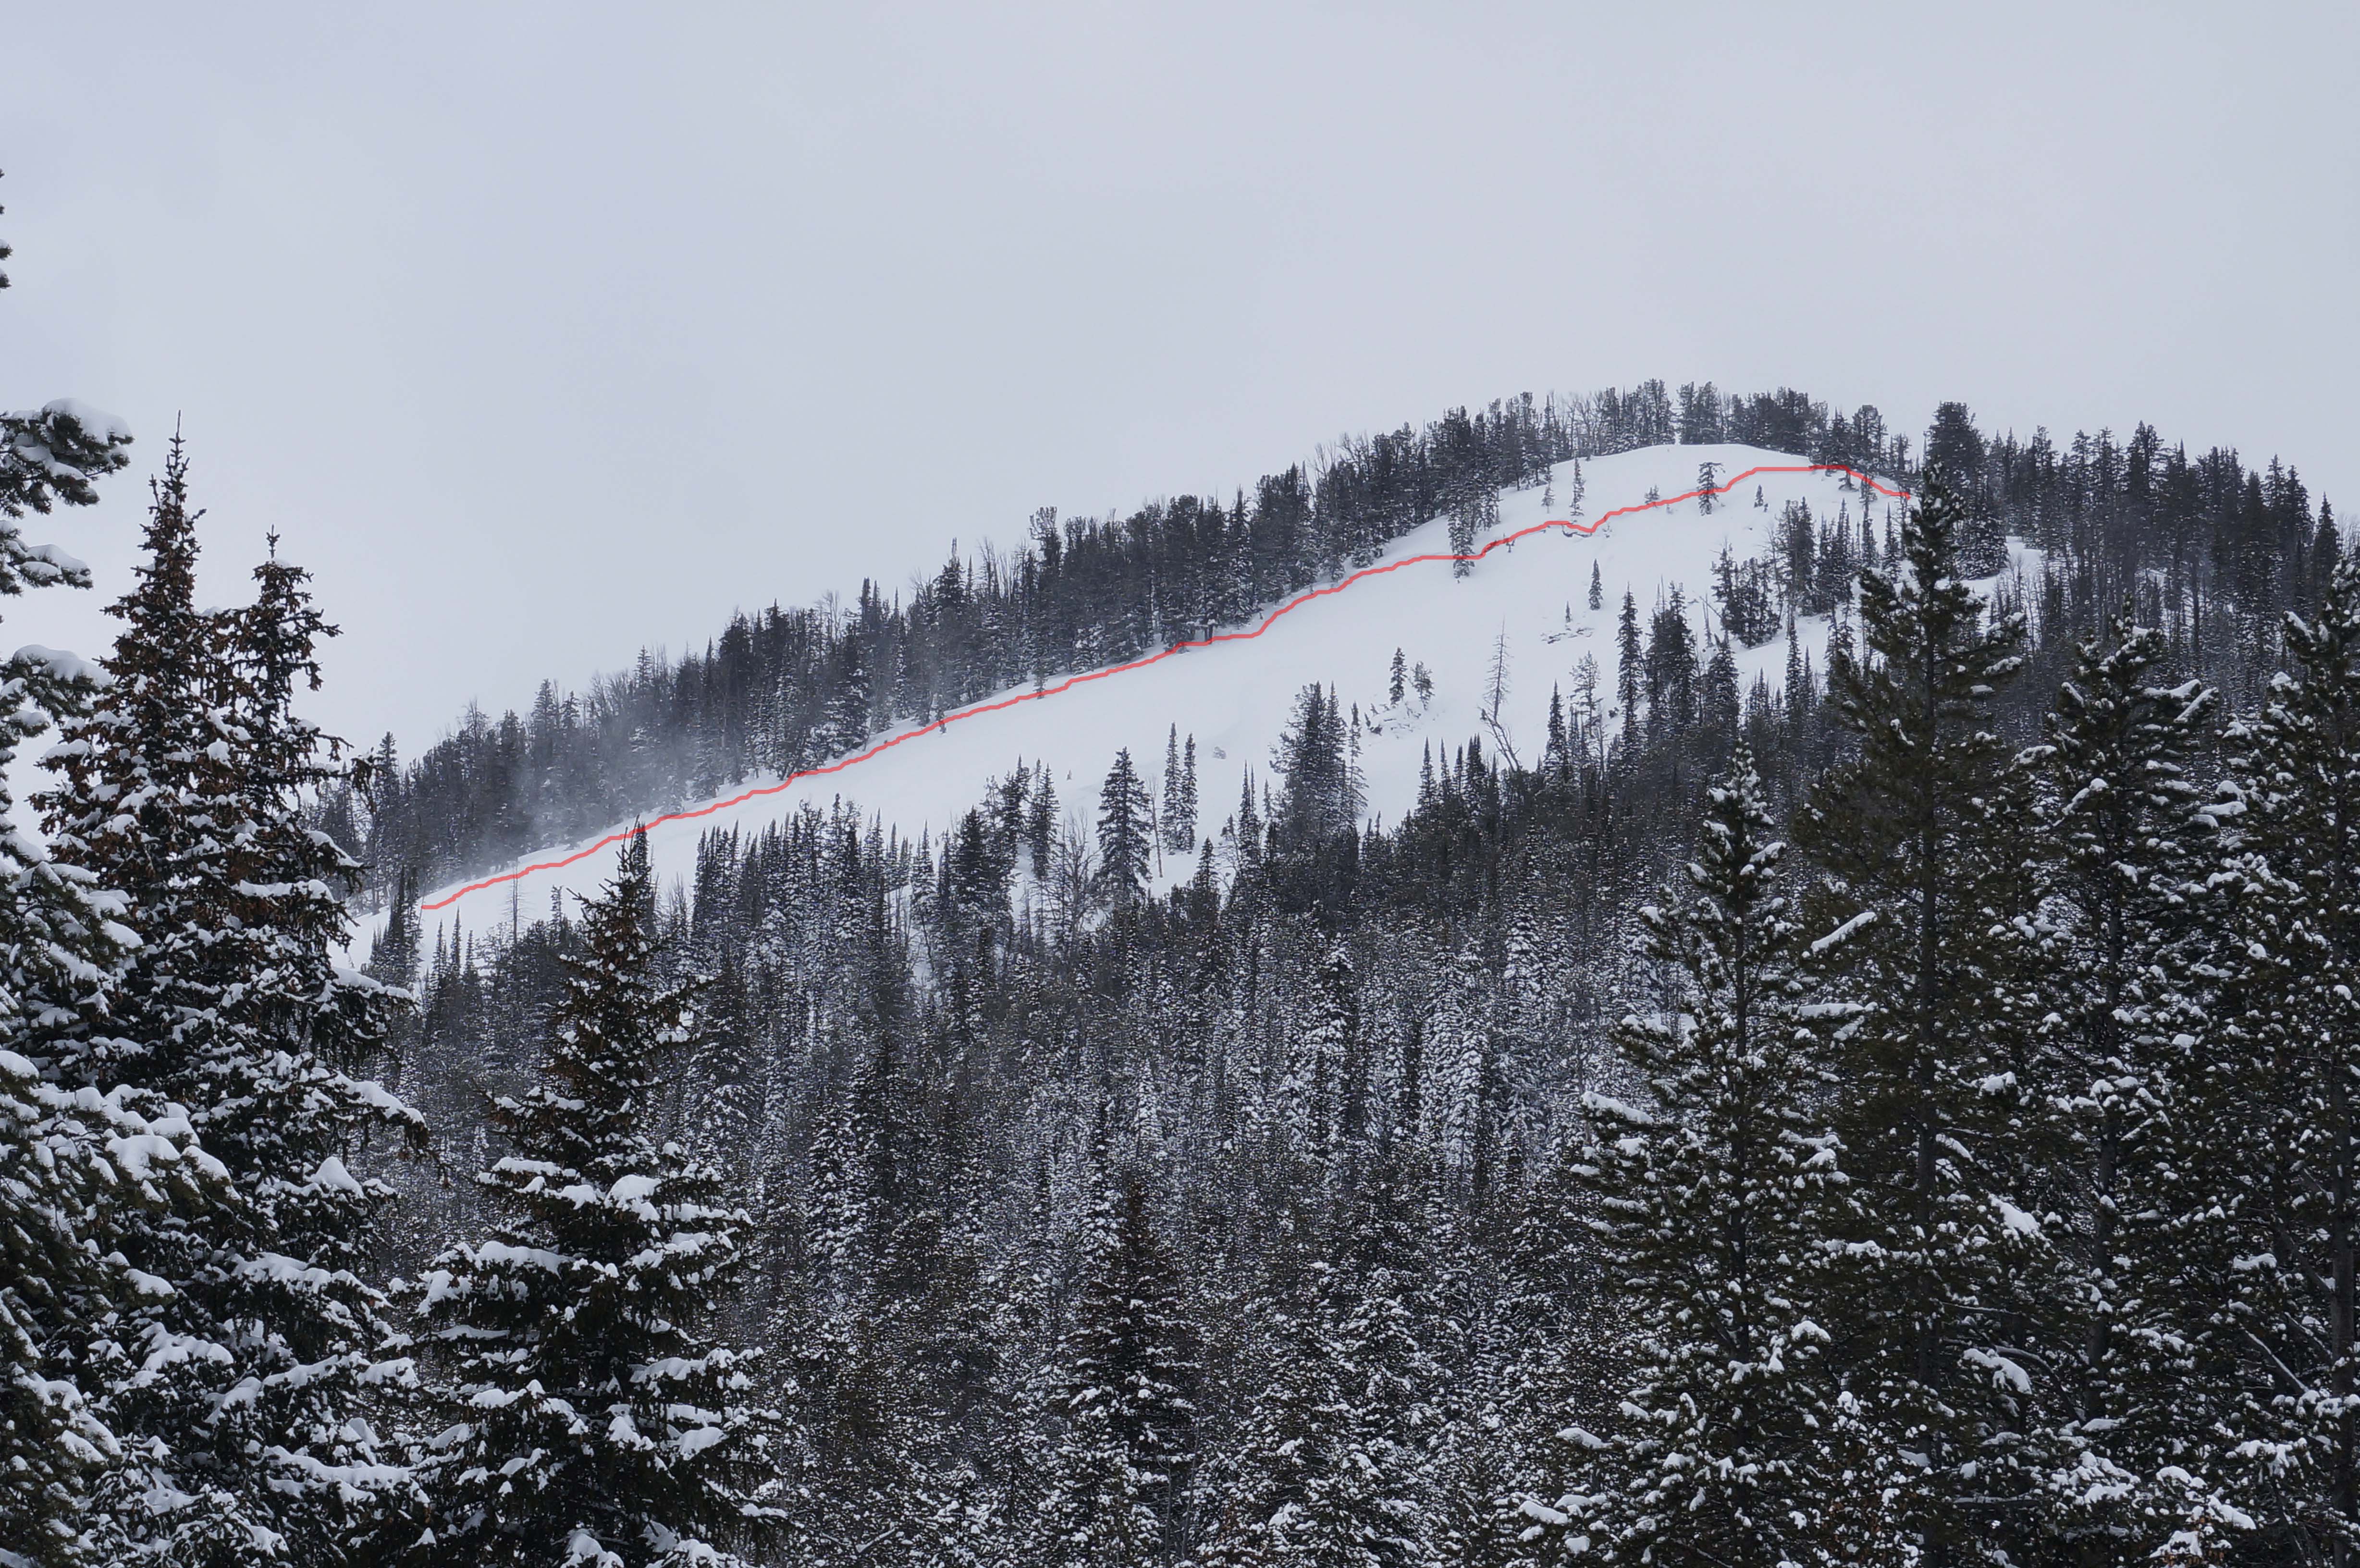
x=1236, y=699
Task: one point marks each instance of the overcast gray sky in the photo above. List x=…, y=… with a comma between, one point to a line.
x=543, y=332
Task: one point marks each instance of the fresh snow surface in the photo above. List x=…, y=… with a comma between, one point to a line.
x=96, y=423
x=60, y=664
x=1236, y=698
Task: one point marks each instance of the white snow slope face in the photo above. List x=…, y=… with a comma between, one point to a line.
x=1236, y=698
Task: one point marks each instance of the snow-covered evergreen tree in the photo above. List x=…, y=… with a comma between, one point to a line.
x=1126, y=846
x=852, y=708
x=1730, y=1444
x=1309, y=1478
x=1186, y=819
x=75, y=1165
x=1630, y=664
x=1120, y=1470
x=1937, y=1298
x=1040, y=822
x=1464, y=1052
x=1331, y=1461
x=1554, y=1379
x=1474, y=513
x=1177, y=822
x=394, y=950
x=53, y=453
x=2265, y=1244
x=1315, y=1092
x=80, y=1164
x=593, y=1422
x=2122, y=871
x=243, y=1390
x=1400, y=1314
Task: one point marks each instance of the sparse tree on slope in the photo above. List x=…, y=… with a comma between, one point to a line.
x=594, y=1424
x=1040, y=822
x=1171, y=836
x=1179, y=821
x=1184, y=821
x=1125, y=845
x=1473, y=514
x=1630, y=665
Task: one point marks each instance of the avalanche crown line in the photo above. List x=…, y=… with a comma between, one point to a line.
x=1067, y=684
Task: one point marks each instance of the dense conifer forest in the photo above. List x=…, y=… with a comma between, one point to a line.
x=1899, y=1115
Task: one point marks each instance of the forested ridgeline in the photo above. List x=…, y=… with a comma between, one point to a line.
x=1574, y=1167
x=2215, y=550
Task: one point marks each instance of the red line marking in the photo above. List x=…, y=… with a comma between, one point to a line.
x=1586, y=529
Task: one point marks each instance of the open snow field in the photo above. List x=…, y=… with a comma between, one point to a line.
x=1236, y=698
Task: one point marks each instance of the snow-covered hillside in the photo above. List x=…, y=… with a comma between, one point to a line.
x=1236, y=699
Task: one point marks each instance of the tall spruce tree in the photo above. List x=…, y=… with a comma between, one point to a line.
x=1324, y=792
x=1126, y=848
x=1322, y=1089
x=1040, y=822
x=245, y=1386
x=1708, y=478
x=1173, y=837
x=851, y=709
x=1938, y=1302
x=1399, y=1300
x=2123, y=861
x=1733, y=1449
x=82, y=1166
x=1124, y=1403
x=394, y=950
x=1184, y=819
x=593, y=1421
x=2267, y=1241
x=1630, y=664
x=1312, y=1476
x=1472, y=514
